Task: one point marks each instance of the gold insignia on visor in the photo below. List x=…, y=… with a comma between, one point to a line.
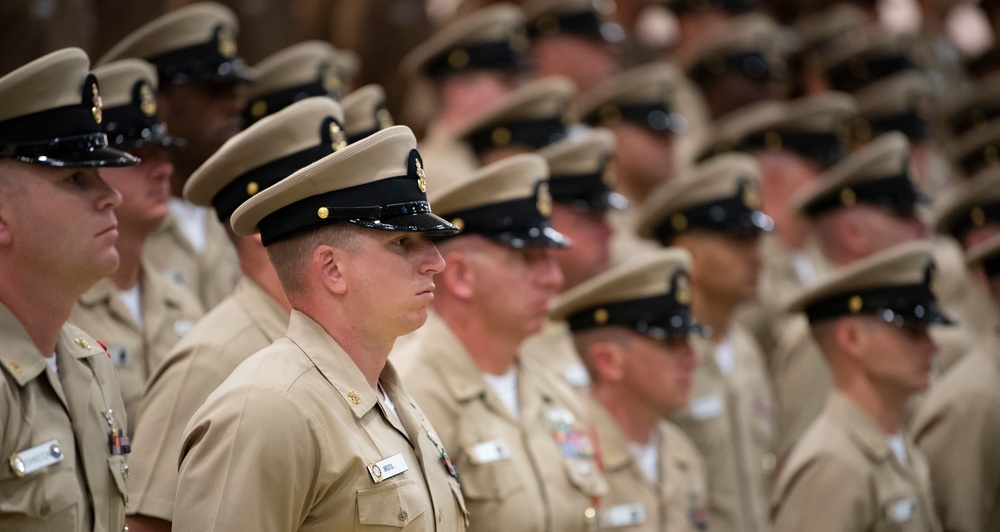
x=547, y=24
x=337, y=137
x=854, y=304
x=459, y=223
x=610, y=114
x=97, y=109
x=421, y=176
x=147, y=100
x=252, y=188
x=750, y=196
x=227, y=42
x=682, y=290
x=544, y=201
x=330, y=80
x=609, y=177
x=601, y=316
x=847, y=197
x=258, y=109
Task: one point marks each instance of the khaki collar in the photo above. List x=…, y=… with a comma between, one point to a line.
x=859, y=427
x=265, y=312
x=21, y=359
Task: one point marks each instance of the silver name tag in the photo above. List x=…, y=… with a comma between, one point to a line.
x=38, y=457
x=623, y=515
x=488, y=451
x=387, y=468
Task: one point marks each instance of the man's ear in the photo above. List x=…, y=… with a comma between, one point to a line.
x=327, y=265
x=5, y=235
x=459, y=276
x=608, y=360
x=851, y=335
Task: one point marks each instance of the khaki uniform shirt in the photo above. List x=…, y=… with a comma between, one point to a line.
x=801, y=378
x=633, y=503
x=168, y=312
x=553, y=349
x=211, y=274
x=625, y=243
x=74, y=411
x=244, y=323
x=533, y=472
x=843, y=476
x=731, y=420
x=958, y=429
x=289, y=440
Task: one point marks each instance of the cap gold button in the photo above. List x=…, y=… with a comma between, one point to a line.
x=500, y=136
x=258, y=109
x=252, y=188
x=679, y=222
x=601, y=316
x=459, y=223
x=768, y=462
x=854, y=304
x=848, y=198
x=458, y=58
x=323, y=212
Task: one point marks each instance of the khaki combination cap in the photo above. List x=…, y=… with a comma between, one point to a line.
x=734, y=7
x=51, y=113
x=970, y=205
x=749, y=44
x=977, y=149
x=877, y=174
x=507, y=202
x=365, y=112
x=720, y=194
x=533, y=116
x=650, y=294
x=267, y=152
x=311, y=68
x=971, y=107
x=493, y=38
x=652, y=96
x=986, y=254
x=896, y=285
x=128, y=92
x=378, y=183
x=820, y=32
x=859, y=59
x=582, y=18
x=580, y=171
x=901, y=102
x=193, y=44
x=817, y=127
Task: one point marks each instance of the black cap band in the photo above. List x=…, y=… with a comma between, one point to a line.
x=895, y=193
x=969, y=119
x=485, y=56
x=983, y=157
x=655, y=116
x=856, y=73
x=895, y=304
x=536, y=134
x=909, y=123
x=518, y=223
x=582, y=23
x=976, y=216
x=751, y=64
x=823, y=147
x=201, y=63
x=730, y=6
x=586, y=191
x=737, y=216
x=273, y=102
x=991, y=266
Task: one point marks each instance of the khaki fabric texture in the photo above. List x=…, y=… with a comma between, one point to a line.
x=244, y=323
x=169, y=312
x=85, y=491
x=536, y=488
x=211, y=274
x=731, y=421
x=552, y=348
x=680, y=498
x=957, y=426
x=844, y=476
x=289, y=436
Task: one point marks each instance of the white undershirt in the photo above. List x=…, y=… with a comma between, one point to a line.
x=647, y=456
x=898, y=448
x=725, y=356
x=505, y=386
x=53, y=365
x=132, y=298
x=191, y=219
x=387, y=401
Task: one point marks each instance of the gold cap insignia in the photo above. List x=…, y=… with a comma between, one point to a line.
x=609, y=176
x=678, y=221
x=682, y=289
x=421, y=176
x=252, y=188
x=147, y=100
x=330, y=81
x=977, y=216
x=353, y=397
x=258, y=109
x=98, y=106
x=227, y=42
x=337, y=137
x=854, y=304
x=847, y=197
x=601, y=316
x=323, y=213
x=500, y=136
x=610, y=114
x=544, y=201
x=384, y=118
x=82, y=343
x=750, y=196
x=458, y=58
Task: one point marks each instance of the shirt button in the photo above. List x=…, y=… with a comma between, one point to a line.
x=402, y=515
x=768, y=462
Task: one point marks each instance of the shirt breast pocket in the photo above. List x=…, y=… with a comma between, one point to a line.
x=49, y=496
x=390, y=505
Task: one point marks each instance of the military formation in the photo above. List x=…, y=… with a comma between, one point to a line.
x=535, y=266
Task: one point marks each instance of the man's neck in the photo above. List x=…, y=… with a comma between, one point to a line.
x=715, y=314
x=887, y=409
x=42, y=309
x=635, y=422
x=129, y=261
x=256, y=266
x=491, y=350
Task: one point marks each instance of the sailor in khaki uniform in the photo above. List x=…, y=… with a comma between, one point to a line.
x=714, y=213
x=473, y=64
x=315, y=431
x=957, y=425
x=253, y=317
x=580, y=183
x=632, y=325
x=137, y=312
x=856, y=468
x=200, y=71
x=63, y=430
x=520, y=438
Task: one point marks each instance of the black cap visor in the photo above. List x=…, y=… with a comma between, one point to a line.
x=89, y=150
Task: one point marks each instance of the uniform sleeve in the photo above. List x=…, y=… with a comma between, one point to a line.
x=173, y=395
x=960, y=441
x=824, y=495
x=248, y=461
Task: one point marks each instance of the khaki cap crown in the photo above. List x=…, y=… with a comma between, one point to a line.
x=585, y=18
x=987, y=255
x=856, y=60
x=970, y=205
x=901, y=102
x=745, y=36
x=657, y=96
x=580, y=173
x=266, y=152
x=533, y=115
x=971, y=107
x=365, y=112
x=977, y=149
x=128, y=92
